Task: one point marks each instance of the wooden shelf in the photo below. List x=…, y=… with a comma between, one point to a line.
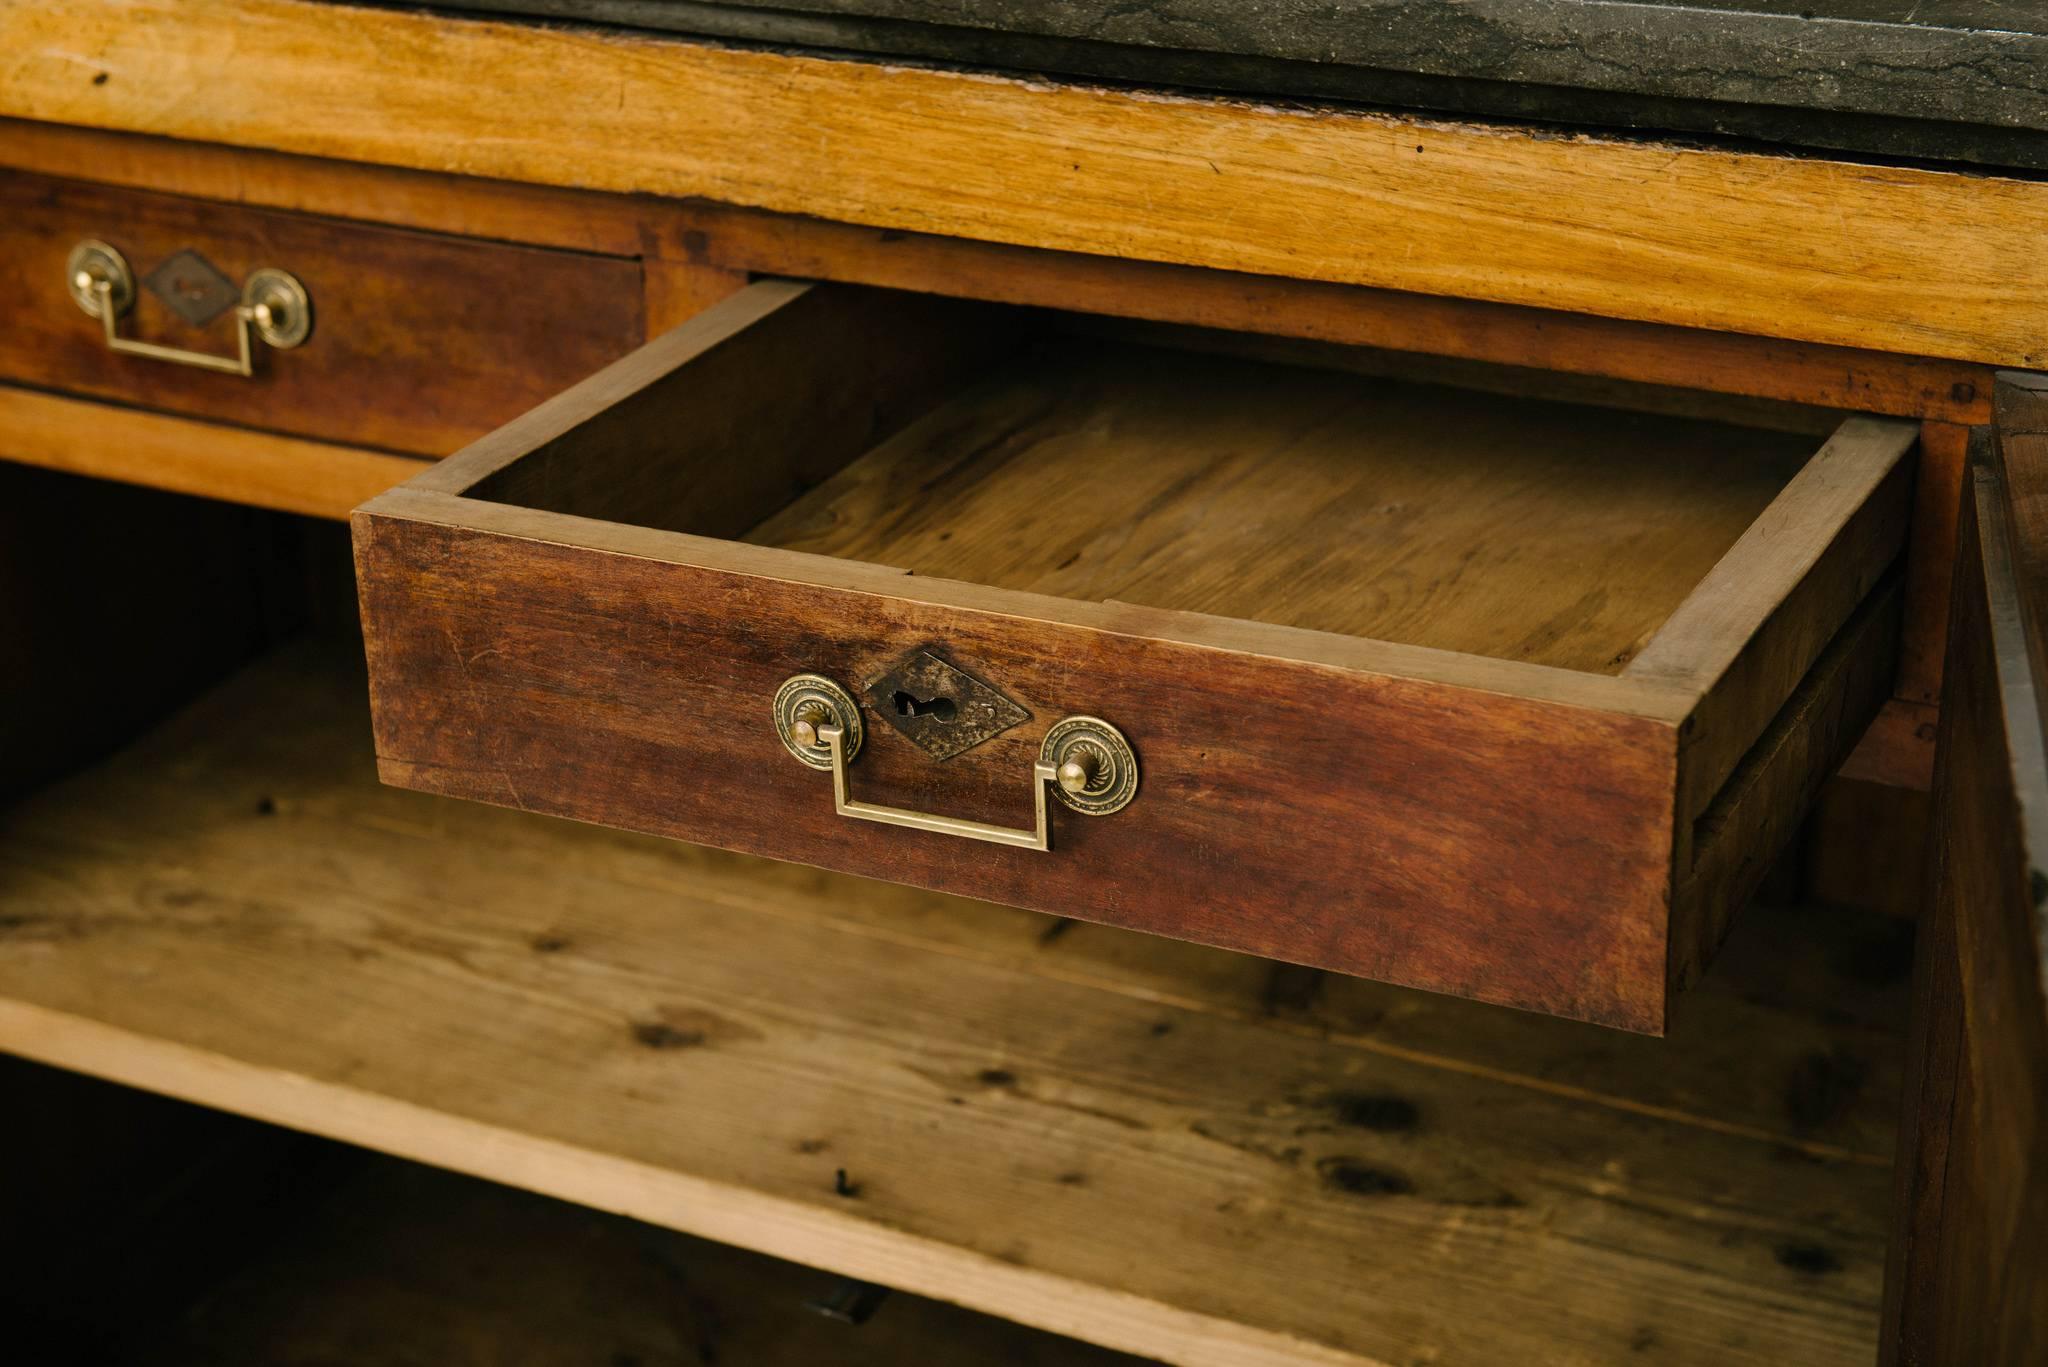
x=404, y=1266
x=1168, y=1150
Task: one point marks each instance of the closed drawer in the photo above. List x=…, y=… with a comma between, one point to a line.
x=419, y=343
x=1495, y=696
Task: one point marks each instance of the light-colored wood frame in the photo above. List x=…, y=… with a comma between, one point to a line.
x=1892, y=258
x=1720, y=674
x=191, y=456
x=695, y=252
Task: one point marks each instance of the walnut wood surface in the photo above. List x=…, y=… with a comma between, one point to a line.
x=1884, y=257
x=1551, y=533
x=1969, y=1280
x=1171, y=1150
x=420, y=343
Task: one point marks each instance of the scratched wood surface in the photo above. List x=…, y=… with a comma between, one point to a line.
x=1892, y=258
x=1177, y=1152
x=1552, y=533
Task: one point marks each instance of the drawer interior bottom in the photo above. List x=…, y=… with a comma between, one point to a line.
x=1516, y=528
x=1165, y=1149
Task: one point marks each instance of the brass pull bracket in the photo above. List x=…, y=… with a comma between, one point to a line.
x=1084, y=761
x=273, y=304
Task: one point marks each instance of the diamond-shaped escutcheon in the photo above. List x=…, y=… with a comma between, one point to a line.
x=192, y=287
x=941, y=707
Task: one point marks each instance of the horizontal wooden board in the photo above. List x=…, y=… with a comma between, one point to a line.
x=721, y=239
x=1892, y=258
x=263, y=469
x=1178, y=1152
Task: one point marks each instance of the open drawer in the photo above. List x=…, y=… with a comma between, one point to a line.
x=1496, y=696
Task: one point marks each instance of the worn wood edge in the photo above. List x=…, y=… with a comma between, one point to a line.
x=1760, y=808
x=464, y=206
x=2020, y=440
x=674, y=1200
x=697, y=235
x=1647, y=700
x=1757, y=622
x=1891, y=258
x=191, y=456
x=2011, y=538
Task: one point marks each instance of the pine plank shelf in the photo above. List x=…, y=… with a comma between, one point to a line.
x=1170, y=1151
x=404, y=1266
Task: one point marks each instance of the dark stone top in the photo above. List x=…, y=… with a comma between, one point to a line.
x=1939, y=79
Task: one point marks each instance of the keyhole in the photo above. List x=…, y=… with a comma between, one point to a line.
x=910, y=705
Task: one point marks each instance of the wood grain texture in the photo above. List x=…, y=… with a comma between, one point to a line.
x=420, y=343
x=1753, y=627
x=1026, y=1113
x=1969, y=1280
x=1888, y=258
x=1728, y=851
x=674, y=235
x=1549, y=533
x=261, y=469
x=678, y=291
x=716, y=424
x=1493, y=846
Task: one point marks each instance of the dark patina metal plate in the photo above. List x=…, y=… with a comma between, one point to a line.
x=941, y=707
x=192, y=287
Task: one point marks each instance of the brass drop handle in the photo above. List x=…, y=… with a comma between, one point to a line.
x=1083, y=761
x=273, y=304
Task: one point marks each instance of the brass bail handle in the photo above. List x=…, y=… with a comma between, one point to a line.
x=1084, y=761
x=274, y=305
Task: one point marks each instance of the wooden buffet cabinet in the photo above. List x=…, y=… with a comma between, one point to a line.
x=1276, y=557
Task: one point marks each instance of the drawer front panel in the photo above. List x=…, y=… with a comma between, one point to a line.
x=1503, y=848
x=419, y=343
